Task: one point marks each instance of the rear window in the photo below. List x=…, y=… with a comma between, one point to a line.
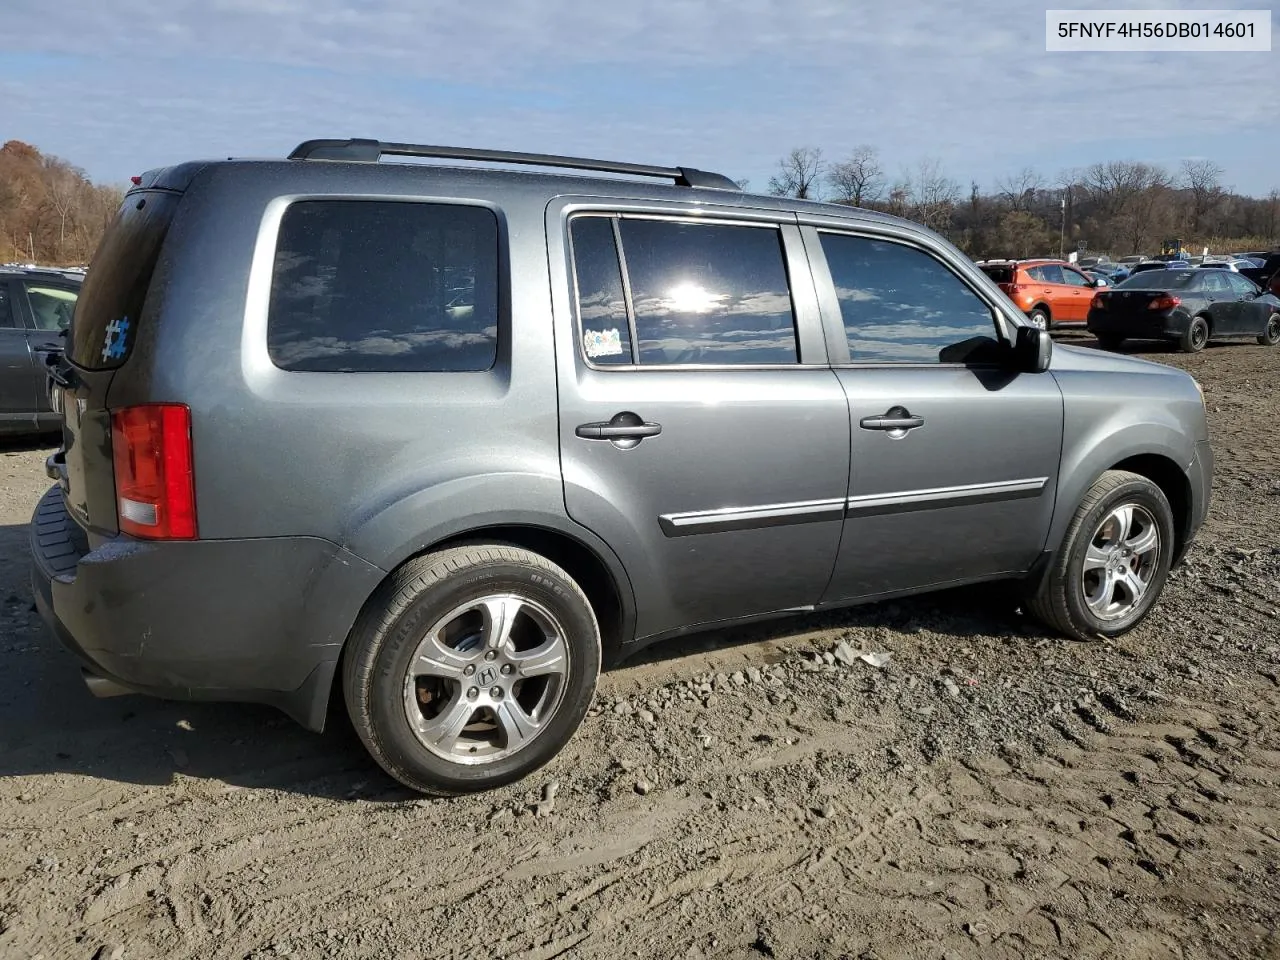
x=105, y=321
x=384, y=286
x=1157, y=280
x=998, y=273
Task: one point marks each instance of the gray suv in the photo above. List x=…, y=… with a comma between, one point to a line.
x=450, y=435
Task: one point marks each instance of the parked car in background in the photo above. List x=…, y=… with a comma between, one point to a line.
x=1187, y=306
x=1264, y=274
x=449, y=438
x=1099, y=277
x=36, y=305
x=1051, y=293
x=1147, y=265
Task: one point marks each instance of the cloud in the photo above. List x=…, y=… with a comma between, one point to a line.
x=715, y=85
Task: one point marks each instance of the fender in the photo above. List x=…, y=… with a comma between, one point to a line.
x=1106, y=442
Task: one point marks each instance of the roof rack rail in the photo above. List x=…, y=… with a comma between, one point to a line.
x=369, y=151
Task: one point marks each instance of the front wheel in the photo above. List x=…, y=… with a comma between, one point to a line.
x=471, y=668
x=1197, y=335
x=1271, y=335
x=1113, y=562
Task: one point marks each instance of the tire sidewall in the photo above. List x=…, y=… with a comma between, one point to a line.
x=396, y=649
x=1271, y=332
x=1145, y=494
x=1043, y=318
x=1189, y=342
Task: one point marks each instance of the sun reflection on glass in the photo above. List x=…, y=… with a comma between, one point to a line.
x=693, y=298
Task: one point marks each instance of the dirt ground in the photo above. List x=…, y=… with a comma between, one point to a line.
x=992, y=791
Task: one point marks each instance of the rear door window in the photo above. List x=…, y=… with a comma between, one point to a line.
x=8, y=312
x=709, y=293
x=1051, y=273
x=363, y=286
x=52, y=305
x=105, y=321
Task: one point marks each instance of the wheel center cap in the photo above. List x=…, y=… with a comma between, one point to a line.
x=487, y=676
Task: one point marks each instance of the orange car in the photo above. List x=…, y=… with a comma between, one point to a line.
x=1052, y=293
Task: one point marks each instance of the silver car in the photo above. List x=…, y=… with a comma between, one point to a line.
x=453, y=437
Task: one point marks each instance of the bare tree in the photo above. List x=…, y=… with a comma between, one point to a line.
x=63, y=191
x=1020, y=190
x=799, y=174
x=1203, y=178
x=931, y=195
x=859, y=179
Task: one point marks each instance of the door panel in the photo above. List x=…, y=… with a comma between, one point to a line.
x=724, y=497
x=17, y=398
x=953, y=459
x=968, y=494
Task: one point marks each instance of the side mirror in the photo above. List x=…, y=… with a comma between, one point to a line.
x=1032, y=350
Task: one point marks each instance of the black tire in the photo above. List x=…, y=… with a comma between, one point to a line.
x=1271, y=335
x=1039, y=317
x=1109, y=341
x=1196, y=337
x=386, y=636
x=1060, y=600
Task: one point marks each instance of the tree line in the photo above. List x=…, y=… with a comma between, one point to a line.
x=50, y=212
x=1117, y=207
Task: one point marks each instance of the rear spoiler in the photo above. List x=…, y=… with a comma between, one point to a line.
x=176, y=178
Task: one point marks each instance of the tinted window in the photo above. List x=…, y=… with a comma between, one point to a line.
x=900, y=304
x=1215, y=282
x=1241, y=285
x=709, y=293
x=51, y=306
x=1000, y=274
x=384, y=286
x=1073, y=278
x=106, y=316
x=602, y=307
x=1050, y=273
x=1158, y=280
x=7, y=316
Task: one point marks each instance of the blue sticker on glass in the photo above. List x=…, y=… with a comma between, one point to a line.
x=116, y=347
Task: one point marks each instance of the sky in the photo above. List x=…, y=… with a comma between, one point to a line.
x=121, y=86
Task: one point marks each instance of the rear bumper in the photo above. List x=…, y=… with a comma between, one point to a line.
x=256, y=620
x=1159, y=326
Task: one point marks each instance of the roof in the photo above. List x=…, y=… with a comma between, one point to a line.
x=612, y=179
x=56, y=273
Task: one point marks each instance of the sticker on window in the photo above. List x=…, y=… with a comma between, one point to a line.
x=602, y=343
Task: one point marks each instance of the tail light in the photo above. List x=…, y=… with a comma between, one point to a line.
x=1096, y=302
x=155, y=484
x=1164, y=302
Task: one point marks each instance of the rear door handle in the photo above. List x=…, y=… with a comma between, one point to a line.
x=607, y=431
x=623, y=426
x=896, y=421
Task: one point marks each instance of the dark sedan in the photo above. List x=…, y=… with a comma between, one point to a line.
x=1187, y=306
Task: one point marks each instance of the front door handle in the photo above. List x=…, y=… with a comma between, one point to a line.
x=896, y=421
x=625, y=429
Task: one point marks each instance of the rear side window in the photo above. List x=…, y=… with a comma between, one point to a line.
x=105, y=321
x=51, y=306
x=602, y=305
x=709, y=293
x=365, y=286
x=8, y=319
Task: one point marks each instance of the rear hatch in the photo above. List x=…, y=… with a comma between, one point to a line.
x=1001, y=274
x=100, y=341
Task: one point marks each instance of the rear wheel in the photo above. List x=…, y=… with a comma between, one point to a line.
x=1039, y=318
x=1197, y=335
x=1109, y=341
x=1113, y=562
x=471, y=668
x=1271, y=335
